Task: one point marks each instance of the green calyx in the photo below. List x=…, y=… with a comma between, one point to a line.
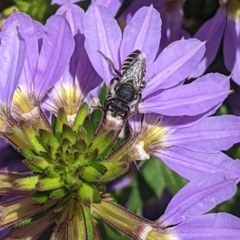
x=69, y=160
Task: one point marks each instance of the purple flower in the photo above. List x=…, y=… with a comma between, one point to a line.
x=48, y=51
x=178, y=130
x=185, y=217
x=164, y=93
x=225, y=24
x=189, y=148
x=79, y=77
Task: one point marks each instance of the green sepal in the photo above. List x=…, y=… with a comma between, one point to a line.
x=88, y=222
x=115, y=169
x=90, y=174
x=86, y=194
x=89, y=129
x=17, y=136
x=61, y=119
x=92, y=156
x=49, y=183
x=96, y=196
x=29, y=220
x=99, y=167
x=72, y=182
x=40, y=197
x=51, y=171
x=27, y=183
x=80, y=145
x=83, y=136
x=80, y=117
x=68, y=133
x=102, y=142
x=48, y=138
x=54, y=122
x=34, y=168
x=32, y=137
x=40, y=162
x=65, y=144
x=28, y=153
x=23, y=223
x=80, y=160
x=51, y=151
x=58, y=193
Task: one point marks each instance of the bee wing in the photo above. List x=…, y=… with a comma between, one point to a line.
x=134, y=68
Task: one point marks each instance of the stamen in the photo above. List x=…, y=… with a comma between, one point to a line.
x=137, y=152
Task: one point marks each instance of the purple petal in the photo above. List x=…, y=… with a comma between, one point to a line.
x=212, y=134
x=191, y=165
x=231, y=48
x=190, y=99
x=174, y=64
x=211, y=32
x=80, y=67
x=112, y=5
x=55, y=54
x=74, y=16
x=197, y=197
x=39, y=32
x=28, y=32
x=220, y=226
x=102, y=34
x=39, y=29
x=12, y=53
x=135, y=122
x=143, y=33
x=185, y=121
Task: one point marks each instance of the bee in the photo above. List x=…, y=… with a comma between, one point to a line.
x=125, y=90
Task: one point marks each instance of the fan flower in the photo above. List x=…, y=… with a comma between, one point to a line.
x=184, y=218
x=224, y=25
x=173, y=112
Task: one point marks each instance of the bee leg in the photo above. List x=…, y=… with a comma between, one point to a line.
x=110, y=63
x=95, y=104
x=114, y=79
x=148, y=79
x=139, y=98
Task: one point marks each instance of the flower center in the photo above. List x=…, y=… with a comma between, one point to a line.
x=22, y=103
x=232, y=7
x=154, y=136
